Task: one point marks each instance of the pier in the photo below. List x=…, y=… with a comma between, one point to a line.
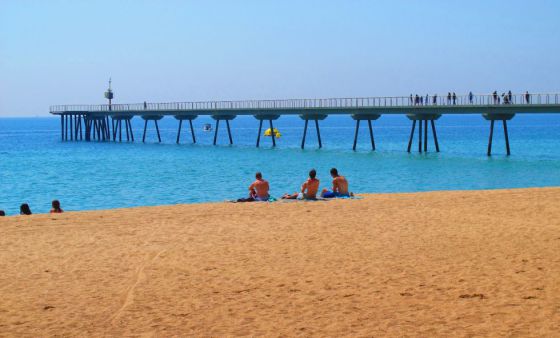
x=104, y=122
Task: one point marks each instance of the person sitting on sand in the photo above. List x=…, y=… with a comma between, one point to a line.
x=56, y=207
x=24, y=209
x=2, y=213
x=309, y=188
x=258, y=190
x=340, y=186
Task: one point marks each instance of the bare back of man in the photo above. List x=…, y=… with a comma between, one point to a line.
x=340, y=186
x=309, y=188
x=260, y=188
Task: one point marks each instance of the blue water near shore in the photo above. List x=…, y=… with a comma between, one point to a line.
x=36, y=166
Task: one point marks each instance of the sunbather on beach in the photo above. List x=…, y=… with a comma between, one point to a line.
x=340, y=186
x=309, y=188
x=258, y=190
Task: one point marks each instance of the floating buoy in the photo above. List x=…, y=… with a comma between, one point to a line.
x=276, y=133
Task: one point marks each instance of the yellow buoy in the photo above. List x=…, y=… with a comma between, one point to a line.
x=276, y=133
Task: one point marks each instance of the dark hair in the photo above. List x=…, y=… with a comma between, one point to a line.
x=312, y=173
x=56, y=205
x=24, y=209
x=258, y=175
x=334, y=172
x=2, y=213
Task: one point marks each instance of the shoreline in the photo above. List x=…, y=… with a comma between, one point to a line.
x=360, y=195
x=444, y=263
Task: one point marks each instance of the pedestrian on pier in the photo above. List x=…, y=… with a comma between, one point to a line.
x=416, y=100
x=470, y=97
x=145, y=105
x=454, y=98
x=509, y=96
x=427, y=99
x=527, y=97
x=411, y=100
x=448, y=97
x=421, y=100
x=434, y=100
x=496, y=98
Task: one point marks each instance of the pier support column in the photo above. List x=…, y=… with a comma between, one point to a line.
x=154, y=118
x=423, y=127
x=181, y=118
x=316, y=118
x=270, y=118
x=226, y=118
x=368, y=118
x=116, y=127
x=498, y=117
x=62, y=127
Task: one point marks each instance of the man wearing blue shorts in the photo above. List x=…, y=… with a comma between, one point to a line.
x=340, y=186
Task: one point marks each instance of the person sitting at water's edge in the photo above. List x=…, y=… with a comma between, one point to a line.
x=24, y=209
x=340, y=186
x=309, y=188
x=56, y=207
x=258, y=190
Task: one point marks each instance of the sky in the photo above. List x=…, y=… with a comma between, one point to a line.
x=63, y=52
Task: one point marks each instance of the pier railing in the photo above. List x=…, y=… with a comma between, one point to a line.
x=334, y=103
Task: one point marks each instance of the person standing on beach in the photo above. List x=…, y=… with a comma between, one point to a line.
x=340, y=186
x=309, y=188
x=258, y=190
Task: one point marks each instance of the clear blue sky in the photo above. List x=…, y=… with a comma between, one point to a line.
x=62, y=52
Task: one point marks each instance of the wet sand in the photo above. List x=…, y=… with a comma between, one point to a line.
x=468, y=263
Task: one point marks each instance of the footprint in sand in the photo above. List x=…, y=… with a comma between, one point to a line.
x=474, y=295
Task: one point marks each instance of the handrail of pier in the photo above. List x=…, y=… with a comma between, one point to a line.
x=363, y=102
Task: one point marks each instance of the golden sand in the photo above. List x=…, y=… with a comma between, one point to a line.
x=472, y=263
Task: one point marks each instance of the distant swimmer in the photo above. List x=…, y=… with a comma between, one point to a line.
x=56, y=209
x=24, y=209
x=340, y=186
x=258, y=190
x=309, y=188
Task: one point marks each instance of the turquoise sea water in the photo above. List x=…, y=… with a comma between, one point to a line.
x=36, y=166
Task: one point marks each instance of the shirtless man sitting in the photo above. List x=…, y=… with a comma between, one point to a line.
x=340, y=186
x=309, y=188
x=258, y=190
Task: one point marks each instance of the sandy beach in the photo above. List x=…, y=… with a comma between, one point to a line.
x=465, y=263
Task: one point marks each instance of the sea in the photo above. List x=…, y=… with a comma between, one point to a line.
x=36, y=166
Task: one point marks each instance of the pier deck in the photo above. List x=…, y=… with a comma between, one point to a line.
x=103, y=122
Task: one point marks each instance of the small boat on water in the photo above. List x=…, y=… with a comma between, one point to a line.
x=207, y=127
x=269, y=133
